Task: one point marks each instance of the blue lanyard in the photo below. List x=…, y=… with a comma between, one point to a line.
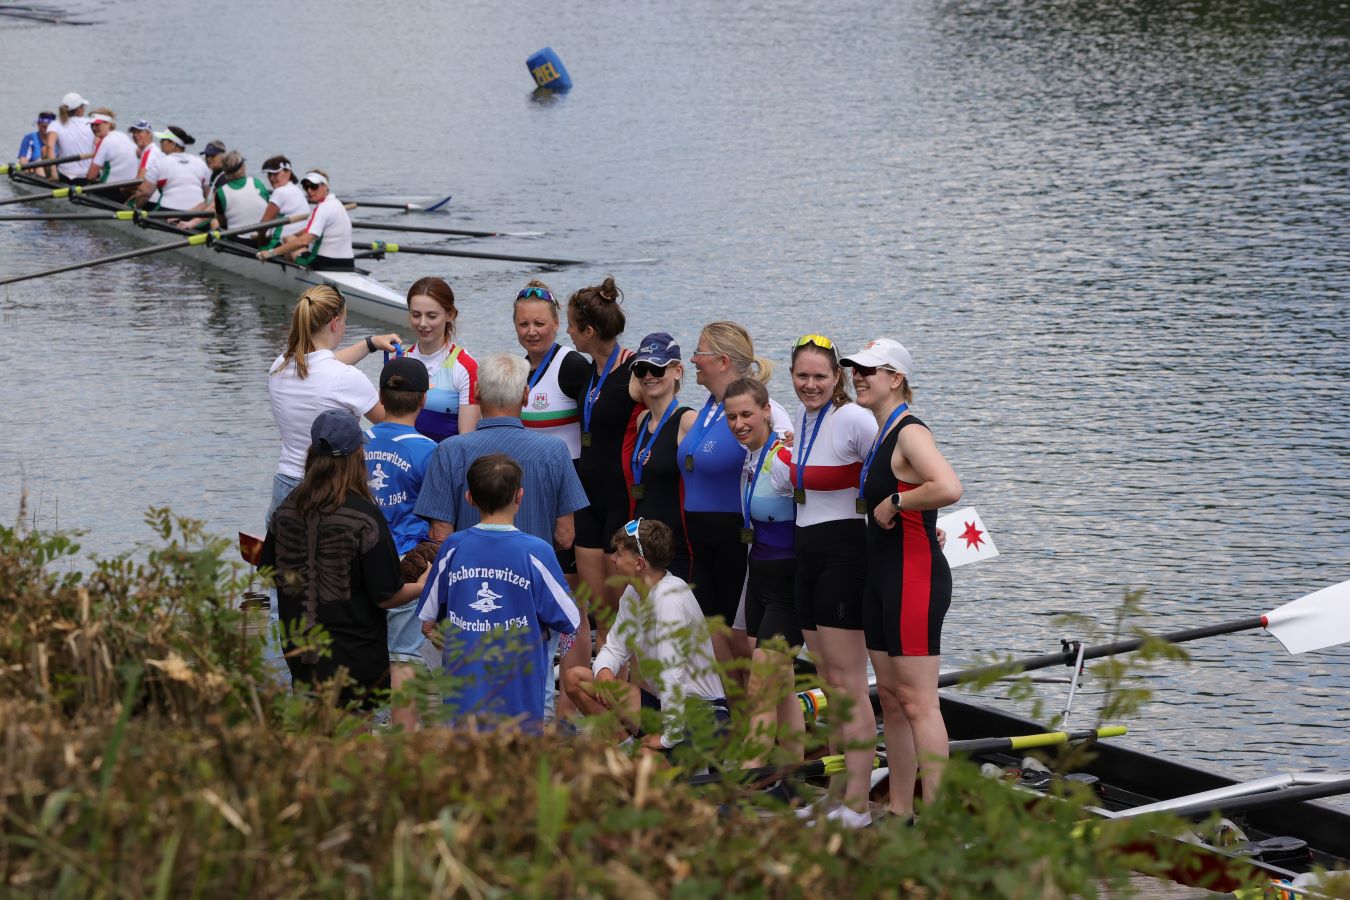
x=643, y=451
x=593, y=390
x=769, y=443
x=881, y=435
x=804, y=453
x=543, y=366
x=702, y=425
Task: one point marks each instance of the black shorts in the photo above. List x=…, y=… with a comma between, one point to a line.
x=717, y=570
x=720, y=712
x=831, y=575
x=770, y=611
x=597, y=523
x=567, y=559
x=903, y=611
x=332, y=264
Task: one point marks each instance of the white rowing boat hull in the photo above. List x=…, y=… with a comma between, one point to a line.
x=365, y=295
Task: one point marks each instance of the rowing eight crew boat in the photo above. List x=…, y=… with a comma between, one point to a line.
x=366, y=295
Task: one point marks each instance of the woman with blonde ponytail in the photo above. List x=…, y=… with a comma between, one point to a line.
x=68, y=135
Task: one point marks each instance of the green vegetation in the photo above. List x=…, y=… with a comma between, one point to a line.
x=144, y=752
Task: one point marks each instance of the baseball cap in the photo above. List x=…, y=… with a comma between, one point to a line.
x=73, y=100
x=213, y=148
x=404, y=374
x=141, y=125
x=336, y=432
x=659, y=349
x=882, y=352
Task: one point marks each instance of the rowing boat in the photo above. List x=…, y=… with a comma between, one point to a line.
x=366, y=295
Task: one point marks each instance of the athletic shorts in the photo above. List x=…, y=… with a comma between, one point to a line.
x=405, y=633
x=831, y=574
x=770, y=610
x=597, y=523
x=717, y=570
x=903, y=610
x=567, y=559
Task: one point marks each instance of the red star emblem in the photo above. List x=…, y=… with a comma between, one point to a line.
x=972, y=536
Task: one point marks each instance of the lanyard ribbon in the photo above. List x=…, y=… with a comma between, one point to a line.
x=881, y=435
x=642, y=452
x=593, y=389
x=804, y=451
x=543, y=366
x=700, y=429
x=769, y=444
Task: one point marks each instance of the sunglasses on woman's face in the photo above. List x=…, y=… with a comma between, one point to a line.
x=647, y=370
x=869, y=371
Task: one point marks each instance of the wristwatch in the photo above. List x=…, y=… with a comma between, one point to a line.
x=895, y=501
x=370, y=344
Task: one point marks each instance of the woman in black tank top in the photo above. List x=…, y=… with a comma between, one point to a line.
x=653, y=468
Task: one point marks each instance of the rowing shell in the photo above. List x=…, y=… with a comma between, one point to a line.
x=365, y=295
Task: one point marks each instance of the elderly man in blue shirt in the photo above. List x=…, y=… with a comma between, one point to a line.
x=552, y=490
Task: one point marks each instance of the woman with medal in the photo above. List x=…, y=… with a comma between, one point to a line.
x=452, y=402
x=767, y=528
x=831, y=547
x=558, y=374
x=654, y=466
x=711, y=462
x=905, y=480
x=608, y=419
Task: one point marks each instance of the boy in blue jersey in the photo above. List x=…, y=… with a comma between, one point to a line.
x=497, y=589
x=396, y=461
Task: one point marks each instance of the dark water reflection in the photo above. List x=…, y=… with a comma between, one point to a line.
x=1112, y=234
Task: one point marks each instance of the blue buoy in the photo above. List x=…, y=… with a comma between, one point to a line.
x=549, y=72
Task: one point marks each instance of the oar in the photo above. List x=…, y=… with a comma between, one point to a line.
x=74, y=190
x=1312, y=622
x=1029, y=741
x=201, y=239
x=1234, y=805
x=379, y=247
x=451, y=231
x=826, y=765
x=405, y=207
x=9, y=168
x=126, y=215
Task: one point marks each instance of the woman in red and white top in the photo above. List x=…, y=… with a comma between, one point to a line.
x=558, y=374
x=115, y=154
x=180, y=178
x=325, y=243
x=452, y=401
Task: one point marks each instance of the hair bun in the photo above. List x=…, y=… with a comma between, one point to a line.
x=609, y=291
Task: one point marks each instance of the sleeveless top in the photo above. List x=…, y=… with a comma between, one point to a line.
x=830, y=476
x=771, y=506
x=711, y=459
x=661, y=486
x=551, y=407
x=241, y=201
x=454, y=383
x=603, y=466
x=915, y=530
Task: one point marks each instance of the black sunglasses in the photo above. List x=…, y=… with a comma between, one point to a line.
x=649, y=370
x=869, y=371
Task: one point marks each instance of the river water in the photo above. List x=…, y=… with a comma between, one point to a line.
x=1113, y=236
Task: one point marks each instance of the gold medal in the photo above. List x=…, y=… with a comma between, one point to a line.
x=799, y=495
x=585, y=439
x=689, y=462
x=861, y=506
x=635, y=491
x=747, y=535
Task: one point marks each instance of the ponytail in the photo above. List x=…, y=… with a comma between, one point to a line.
x=316, y=307
x=733, y=341
x=64, y=112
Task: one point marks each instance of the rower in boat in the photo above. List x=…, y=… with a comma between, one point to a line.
x=326, y=241
x=143, y=136
x=30, y=148
x=213, y=156
x=239, y=199
x=180, y=178
x=286, y=200
x=115, y=155
x=70, y=135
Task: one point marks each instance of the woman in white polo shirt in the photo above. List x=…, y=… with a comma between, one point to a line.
x=70, y=135
x=180, y=178
x=286, y=200
x=326, y=242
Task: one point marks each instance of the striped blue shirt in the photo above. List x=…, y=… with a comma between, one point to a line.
x=552, y=488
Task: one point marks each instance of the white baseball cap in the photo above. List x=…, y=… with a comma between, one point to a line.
x=73, y=100
x=882, y=353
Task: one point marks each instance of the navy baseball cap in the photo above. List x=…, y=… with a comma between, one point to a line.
x=336, y=432
x=659, y=349
x=213, y=148
x=411, y=375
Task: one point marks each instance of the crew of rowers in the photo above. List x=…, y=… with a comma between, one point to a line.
x=152, y=169
x=505, y=481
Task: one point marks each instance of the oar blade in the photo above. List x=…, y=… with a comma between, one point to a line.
x=1315, y=622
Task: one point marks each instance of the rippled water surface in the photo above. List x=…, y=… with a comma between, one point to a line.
x=1114, y=239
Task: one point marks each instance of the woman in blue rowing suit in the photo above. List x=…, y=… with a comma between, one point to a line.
x=608, y=419
x=770, y=612
x=710, y=463
x=452, y=402
x=833, y=436
x=655, y=471
x=905, y=481
x=558, y=374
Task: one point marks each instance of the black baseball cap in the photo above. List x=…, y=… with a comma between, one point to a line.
x=336, y=432
x=404, y=374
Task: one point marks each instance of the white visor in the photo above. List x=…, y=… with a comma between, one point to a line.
x=315, y=178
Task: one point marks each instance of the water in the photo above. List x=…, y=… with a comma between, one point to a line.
x=1114, y=240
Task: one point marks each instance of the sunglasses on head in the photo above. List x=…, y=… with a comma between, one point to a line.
x=537, y=293
x=869, y=371
x=649, y=370
x=817, y=340
x=631, y=529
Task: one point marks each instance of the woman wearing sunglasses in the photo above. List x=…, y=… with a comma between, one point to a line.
x=608, y=417
x=558, y=374
x=653, y=466
x=904, y=481
x=452, y=401
x=833, y=435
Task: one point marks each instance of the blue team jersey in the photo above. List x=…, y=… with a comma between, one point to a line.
x=31, y=147
x=396, y=460
x=498, y=589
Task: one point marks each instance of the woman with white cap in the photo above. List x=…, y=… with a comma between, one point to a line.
x=115, y=154
x=70, y=135
x=905, y=480
x=285, y=200
x=180, y=178
x=326, y=241
x=143, y=136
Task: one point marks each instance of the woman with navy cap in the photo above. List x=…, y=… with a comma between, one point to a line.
x=654, y=467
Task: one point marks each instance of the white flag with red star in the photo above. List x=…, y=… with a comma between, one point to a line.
x=967, y=538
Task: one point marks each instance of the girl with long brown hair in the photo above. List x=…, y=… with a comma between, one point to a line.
x=452, y=401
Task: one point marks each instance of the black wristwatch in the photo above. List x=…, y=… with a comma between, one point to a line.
x=370, y=344
x=895, y=501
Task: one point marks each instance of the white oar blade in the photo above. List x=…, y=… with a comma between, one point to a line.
x=1314, y=622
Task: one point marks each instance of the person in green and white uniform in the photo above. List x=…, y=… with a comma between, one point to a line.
x=286, y=201
x=326, y=242
x=239, y=199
